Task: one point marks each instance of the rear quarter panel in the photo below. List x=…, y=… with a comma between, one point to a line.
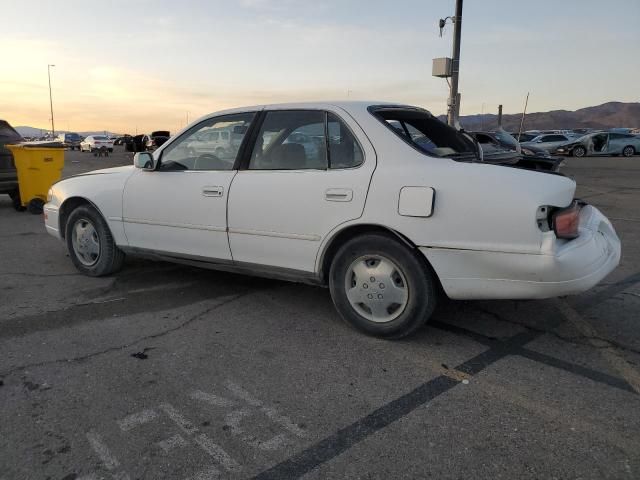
x=477, y=206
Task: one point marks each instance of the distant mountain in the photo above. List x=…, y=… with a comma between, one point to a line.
x=39, y=132
x=30, y=131
x=605, y=116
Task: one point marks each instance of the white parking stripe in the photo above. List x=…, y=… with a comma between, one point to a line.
x=217, y=453
x=210, y=473
x=270, y=412
x=184, y=424
x=233, y=419
x=275, y=443
x=211, y=399
x=135, y=419
x=172, y=442
x=95, y=440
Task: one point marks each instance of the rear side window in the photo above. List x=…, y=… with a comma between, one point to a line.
x=426, y=133
x=290, y=140
x=344, y=149
x=305, y=140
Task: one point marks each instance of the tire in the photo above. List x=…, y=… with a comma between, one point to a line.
x=35, y=206
x=90, y=243
x=579, y=152
x=628, y=151
x=403, y=277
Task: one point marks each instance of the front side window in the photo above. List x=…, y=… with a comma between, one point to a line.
x=426, y=133
x=291, y=140
x=212, y=145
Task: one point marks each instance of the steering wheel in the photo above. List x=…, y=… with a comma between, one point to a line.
x=208, y=161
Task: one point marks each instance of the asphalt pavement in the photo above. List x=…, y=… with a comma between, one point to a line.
x=169, y=372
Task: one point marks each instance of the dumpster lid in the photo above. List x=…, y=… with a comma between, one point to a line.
x=42, y=144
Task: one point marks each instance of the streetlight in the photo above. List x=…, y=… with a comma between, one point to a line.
x=450, y=67
x=53, y=128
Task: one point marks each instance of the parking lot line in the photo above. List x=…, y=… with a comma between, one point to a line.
x=135, y=419
x=217, y=453
x=95, y=440
x=185, y=425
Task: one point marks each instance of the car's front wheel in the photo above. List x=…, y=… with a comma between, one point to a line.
x=90, y=243
x=381, y=287
x=579, y=152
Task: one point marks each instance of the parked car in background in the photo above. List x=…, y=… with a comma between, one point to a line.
x=137, y=143
x=548, y=142
x=384, y=216
x=601, y=143
x=157, y=139
x=524, y=137
x=96, y=142
x=500, y=141
x=8, y=174
x=121, y=140
x=70, y=140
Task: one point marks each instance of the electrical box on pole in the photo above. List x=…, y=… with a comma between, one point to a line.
x=441, y=67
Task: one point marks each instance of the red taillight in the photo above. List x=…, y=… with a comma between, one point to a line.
x=566, y=221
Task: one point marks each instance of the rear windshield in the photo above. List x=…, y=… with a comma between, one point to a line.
x=425, y=132
x=100, y=137
x=7, y=133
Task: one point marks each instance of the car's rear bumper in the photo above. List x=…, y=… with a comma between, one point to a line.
x=51, y=223
x=575, y=266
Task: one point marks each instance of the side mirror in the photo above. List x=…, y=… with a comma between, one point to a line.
x=144, y=160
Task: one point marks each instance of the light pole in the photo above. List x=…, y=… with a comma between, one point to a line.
x=454, y=97
x=53, y=128
x=450, y=67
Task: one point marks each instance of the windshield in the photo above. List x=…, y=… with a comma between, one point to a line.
x=506, y=139
x=425, y=132
x=97, y=137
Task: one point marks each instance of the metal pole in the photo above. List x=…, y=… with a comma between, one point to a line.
x=499, y=116
x=454, y=108
x=53, y=128
x=526, y=102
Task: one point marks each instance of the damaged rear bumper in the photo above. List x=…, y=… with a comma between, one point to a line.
x=571, y=268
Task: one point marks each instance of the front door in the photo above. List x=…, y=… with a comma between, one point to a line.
x=308, y=173
x=181, y=207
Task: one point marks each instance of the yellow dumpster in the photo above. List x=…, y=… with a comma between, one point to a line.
x=39, y=166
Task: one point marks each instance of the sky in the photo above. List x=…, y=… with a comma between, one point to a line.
x=139, y=65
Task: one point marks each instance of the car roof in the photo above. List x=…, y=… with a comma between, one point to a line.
x=348, y=105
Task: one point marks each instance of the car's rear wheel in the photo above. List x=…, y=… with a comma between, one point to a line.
x=90, y=243
x=579, y=152
x=628, y=151
x=381, y=287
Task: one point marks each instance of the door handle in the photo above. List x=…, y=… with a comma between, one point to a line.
x=212, y=191
x=338, y=195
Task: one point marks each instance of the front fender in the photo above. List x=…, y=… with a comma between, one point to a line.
x=102, y=189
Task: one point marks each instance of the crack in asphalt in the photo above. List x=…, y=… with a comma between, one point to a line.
x=576, y=340
x=28, y=274
x=162, y=333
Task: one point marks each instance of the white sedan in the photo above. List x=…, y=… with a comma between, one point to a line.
x=389, y=208
x=96, y=142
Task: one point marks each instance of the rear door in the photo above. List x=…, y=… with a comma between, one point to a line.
x=308, y=172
